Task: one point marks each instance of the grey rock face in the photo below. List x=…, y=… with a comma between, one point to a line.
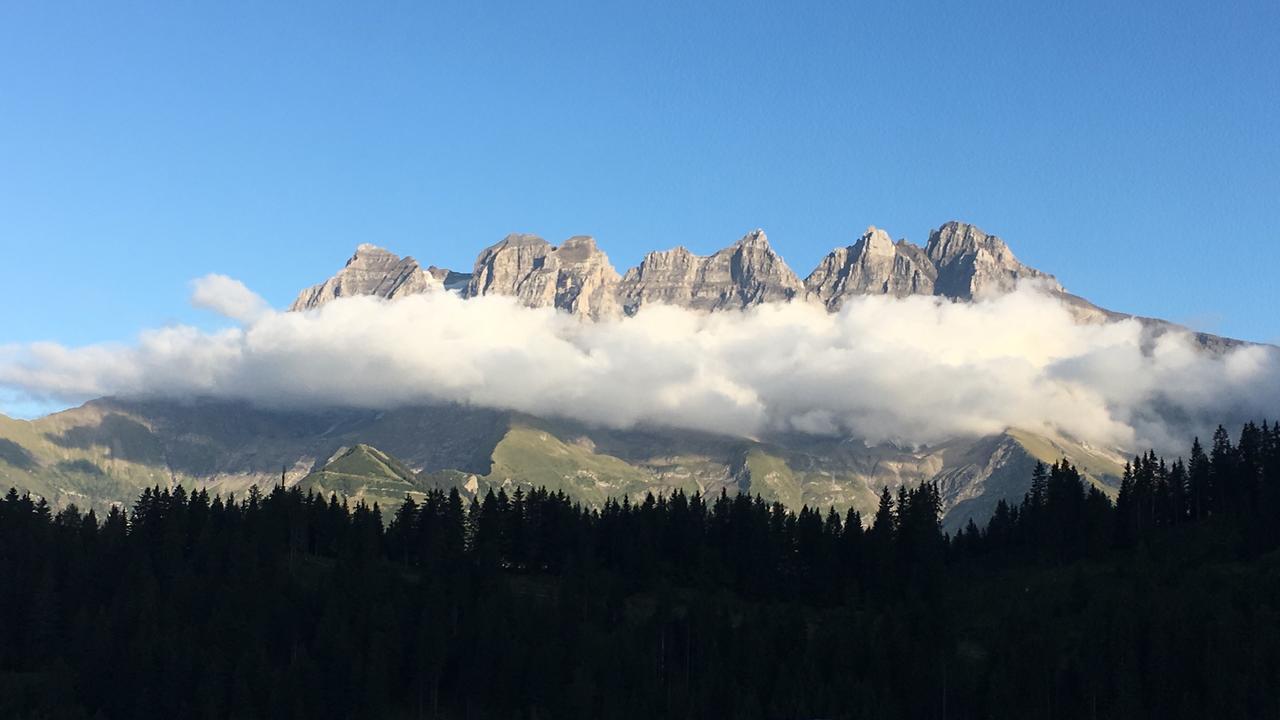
x=576, y=276
x=746, y=273
x=960, y=262
x=452, y=281
x=972, y=264
x=371, y=271
x=874, y=265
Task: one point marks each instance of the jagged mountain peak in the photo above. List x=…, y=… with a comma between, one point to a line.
x=972, y=264
x=371, y=270
x=575, y=276
x=873, y=265
x=679, y=251
x=578, y=248
x=875, y=241
x=954, y=239
x=756, y=239
x=745, y=273
x=518, y=240
x=959, y=261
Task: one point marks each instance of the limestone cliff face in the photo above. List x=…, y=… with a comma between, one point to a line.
x=874, y=265
x=502, y=267
x=960, y=262
x=575, y=277
x=746, y=273
x=371, y=271
x=972, y=264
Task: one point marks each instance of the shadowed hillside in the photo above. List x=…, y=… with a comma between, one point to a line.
x=106, y=451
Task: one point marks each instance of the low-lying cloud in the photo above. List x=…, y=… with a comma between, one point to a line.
x=917, y=370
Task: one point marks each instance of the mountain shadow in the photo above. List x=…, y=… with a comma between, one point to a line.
x=127, y=438
x=16, y=455
x=84, y=467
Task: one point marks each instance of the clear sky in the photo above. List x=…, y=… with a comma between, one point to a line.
x=1131, y=148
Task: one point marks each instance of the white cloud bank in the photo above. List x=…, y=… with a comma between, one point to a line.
x=914, y=370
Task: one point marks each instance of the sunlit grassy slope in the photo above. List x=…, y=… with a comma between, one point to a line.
x=107, y=451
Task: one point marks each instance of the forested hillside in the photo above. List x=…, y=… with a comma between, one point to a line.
x=106, y=451
x=1165, y=603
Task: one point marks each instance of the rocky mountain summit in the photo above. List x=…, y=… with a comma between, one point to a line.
x=371, y=271
x=874, y=265
x=106, y=450
x=575, y=277
x=746, y=273
x=972, y=264
x=959, y=262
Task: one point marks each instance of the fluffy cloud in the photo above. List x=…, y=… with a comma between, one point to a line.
x=914, y=370
x=228, y=297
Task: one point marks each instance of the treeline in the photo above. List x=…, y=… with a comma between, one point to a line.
x=1062, y=518
x=755, y=549
x=288, y=604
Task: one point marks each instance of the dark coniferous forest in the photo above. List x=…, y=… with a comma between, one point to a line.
x=1164, y=603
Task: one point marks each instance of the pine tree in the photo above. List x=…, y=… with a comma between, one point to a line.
x=1222, y=464
x=1200, y=482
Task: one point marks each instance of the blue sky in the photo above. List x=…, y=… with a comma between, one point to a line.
x=1131, y=148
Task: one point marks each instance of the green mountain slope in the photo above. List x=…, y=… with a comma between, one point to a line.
x=531, y=455
x=978, y=476
x=364, y=472
x=86, y=456
x=107, y=450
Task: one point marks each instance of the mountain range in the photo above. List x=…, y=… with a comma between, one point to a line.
x=106, y=450
x=959, y=262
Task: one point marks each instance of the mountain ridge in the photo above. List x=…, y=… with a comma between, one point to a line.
x=107, y=450
x=959, y=262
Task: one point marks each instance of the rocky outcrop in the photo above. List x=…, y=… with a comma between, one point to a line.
x=874, y=265
x=959, y=262
x=453, y=281
x=972, y=264
x=371, y=271
x=575, y=277
x=746, y=273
